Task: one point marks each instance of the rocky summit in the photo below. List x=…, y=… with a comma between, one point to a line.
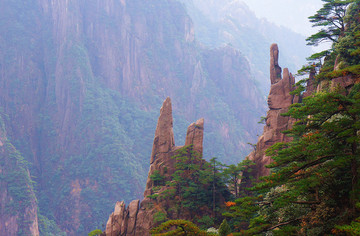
x=138, y=218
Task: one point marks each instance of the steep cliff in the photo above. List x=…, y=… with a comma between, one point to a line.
x=279, y=101
x=232, y=22
x=18, y=204
x=80, y=82
x=138, y=220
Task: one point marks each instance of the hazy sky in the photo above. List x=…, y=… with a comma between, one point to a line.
x=292, y=14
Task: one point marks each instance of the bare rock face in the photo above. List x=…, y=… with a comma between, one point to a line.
x=311, y=86
x=275, y=69
x=345, y=82
x=279, y=101
x=163, y=145
x=194, y=135
x=279, y=96
x=113, y=226
x=164, y=134
x=137, y=218
x=123, y=220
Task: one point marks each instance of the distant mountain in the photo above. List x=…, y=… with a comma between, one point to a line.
x=81, y=85
x=231, y=22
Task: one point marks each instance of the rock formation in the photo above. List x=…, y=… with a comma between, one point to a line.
x=275, y=69
x=311, y=86
x=80, y=81
x=279, y=101
x=137, y=218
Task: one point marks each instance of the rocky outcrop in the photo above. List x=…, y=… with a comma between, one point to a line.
x=123, y=220
x=279, y=101
x=138, y=218
x=346, y=82
x=194, y=136
x=311, y=85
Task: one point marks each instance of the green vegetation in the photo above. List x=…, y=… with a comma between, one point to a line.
x=313, y=187
x=314, y=183
x=157, y=178
x=49, y=227
x=183, y=227
x=87, y=141
x=194, y=185
x=232, y=175
x=159, y=217
x=316, y=173
x=95, y=232
x=17, y=187
x=198, y=187
x=331, y=19
x=224, y=228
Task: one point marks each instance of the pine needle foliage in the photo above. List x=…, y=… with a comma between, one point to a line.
x=182, y=227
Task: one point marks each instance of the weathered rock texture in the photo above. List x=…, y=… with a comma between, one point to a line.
x=16, y=188
x=275, y=69
x=311, y=85
x=279, y=101
x=138, y=219
x=80, y=81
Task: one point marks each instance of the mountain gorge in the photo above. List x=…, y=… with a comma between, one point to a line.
x=231, y=22
x=303, y=171
x=81, y=82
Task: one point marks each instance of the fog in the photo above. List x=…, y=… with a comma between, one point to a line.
x=292, y=14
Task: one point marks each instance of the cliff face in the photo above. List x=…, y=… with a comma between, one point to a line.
x=18, y=208
x=231, y=21
x=139, y=219
x=79, y=81
x=279, y=101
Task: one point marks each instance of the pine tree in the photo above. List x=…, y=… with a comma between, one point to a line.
x=233, y=176
x=224, y=228
x=331, y=20
x=318, y=170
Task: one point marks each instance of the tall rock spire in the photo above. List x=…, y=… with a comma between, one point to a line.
x=275, y=69
x=138, y=218
x=164, y=134
x=279, y=101
x=163, y=145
